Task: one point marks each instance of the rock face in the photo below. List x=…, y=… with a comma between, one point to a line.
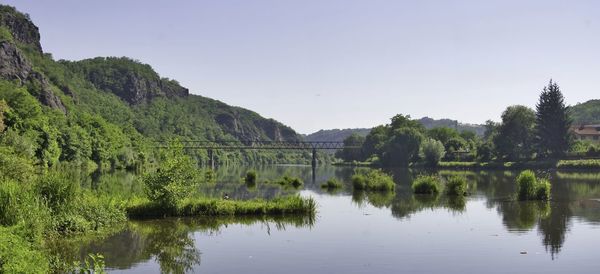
x=131, y=80
x=21, y=27
x=15, y=66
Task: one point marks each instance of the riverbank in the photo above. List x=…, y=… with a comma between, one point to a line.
x=593, y=164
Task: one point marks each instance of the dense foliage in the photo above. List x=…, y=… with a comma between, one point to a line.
x=373, y=179
x=552, y=123
x=426, y=185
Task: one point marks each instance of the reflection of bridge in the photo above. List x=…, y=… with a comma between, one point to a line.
x=274, y=145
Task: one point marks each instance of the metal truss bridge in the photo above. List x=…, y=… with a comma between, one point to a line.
x=273, y=145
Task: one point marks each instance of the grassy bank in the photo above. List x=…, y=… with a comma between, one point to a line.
x=289, y=205
x=560, y=164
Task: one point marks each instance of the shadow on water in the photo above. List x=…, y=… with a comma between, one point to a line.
x=168, y=242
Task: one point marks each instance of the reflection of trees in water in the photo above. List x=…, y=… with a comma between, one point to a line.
x=169, y=241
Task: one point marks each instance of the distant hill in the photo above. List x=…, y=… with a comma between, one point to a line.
x=586, y=113
x=335, y=135
x=433, y=123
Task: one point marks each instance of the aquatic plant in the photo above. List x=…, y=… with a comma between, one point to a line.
x=332, y=183
x=250, y=178
x=456, y=186
x=287, y=180
x=426, y=185
x=530, y=188
x=373, y=179
x=215, y=207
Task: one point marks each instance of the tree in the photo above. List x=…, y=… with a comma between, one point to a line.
x=552, y=135
x=352, y=154
x=443, y=134
x=433, y=151
x=402, y=147
x=515, y=135
x=375, y=141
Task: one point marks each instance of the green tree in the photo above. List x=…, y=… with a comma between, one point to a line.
x=402, y=147
x=352, y=154
x=443, y=134
x=515, y=135
x=375, y=141
x=177, y=178
x=552, y=135
x=433, y=151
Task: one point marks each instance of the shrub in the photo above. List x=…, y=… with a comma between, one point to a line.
x=426, y=185
x=176, y=179
x=374, y=179
x=20, y=208
x=456, y=186
x=289, y=181
x=57, y=190
x=433, y=151
x=332, y=183
x=17, y=255
x=251, y=178
x=530, y=188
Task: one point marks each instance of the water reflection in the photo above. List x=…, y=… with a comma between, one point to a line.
x=170, y=242
x=575, y=199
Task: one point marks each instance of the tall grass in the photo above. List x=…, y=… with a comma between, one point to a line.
x=221, y=207
x=374, y=179
x=332, y=183
x=456, y=186
x=531, y=188
x=426, y=185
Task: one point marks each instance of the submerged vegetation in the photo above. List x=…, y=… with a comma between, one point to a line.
x=531, y=188
x=426, y=185
x=373, y=179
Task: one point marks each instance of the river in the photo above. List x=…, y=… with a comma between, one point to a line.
x=358, y=232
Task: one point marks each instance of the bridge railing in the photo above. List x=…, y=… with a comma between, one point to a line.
x=302, y=145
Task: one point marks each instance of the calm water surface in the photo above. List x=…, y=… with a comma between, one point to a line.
x=362, y=232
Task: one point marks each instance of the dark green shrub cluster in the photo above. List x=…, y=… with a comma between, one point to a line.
x=373, y=179
x=531, y=188
x=332, y=183
x=456, y=186
x=287, y=180
x=426, y=185
x=251, y=177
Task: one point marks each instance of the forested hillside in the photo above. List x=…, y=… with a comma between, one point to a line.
x=336, y=135
x=109, y=111
x=586, y=113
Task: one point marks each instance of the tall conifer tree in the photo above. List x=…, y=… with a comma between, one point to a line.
x=552, y=123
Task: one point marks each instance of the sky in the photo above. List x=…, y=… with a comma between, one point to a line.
x=320, y=64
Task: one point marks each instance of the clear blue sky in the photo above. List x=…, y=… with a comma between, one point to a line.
x=339, y=64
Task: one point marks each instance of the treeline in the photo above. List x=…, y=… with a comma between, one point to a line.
x=523, y=134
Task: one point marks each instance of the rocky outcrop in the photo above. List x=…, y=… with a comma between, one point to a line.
x=21, y=27
x=131, y=80
x=15, y=67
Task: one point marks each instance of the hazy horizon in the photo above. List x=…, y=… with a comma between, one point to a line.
x=343, y=64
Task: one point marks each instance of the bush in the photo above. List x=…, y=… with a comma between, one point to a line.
x=374, y=179
x=18, y=256
x=251, y=178
x=433, y=151
x=456, y=186
x=289, y=181
x=20, y=208
x=426, y=185
x=176, y=179
x=57, y=190
x=332, y=183
x=530, y=188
